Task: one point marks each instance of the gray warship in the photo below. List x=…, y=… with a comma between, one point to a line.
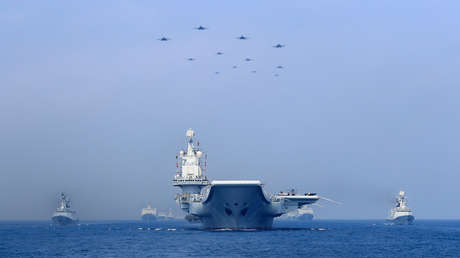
x=149, y=214
x=64, y=215
x=303, y=214
x=232, y=204
x=401, y=214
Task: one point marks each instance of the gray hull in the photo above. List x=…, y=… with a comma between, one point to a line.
x=402, y=220
x=63, y=221
x=236, y=207
x=148, y=218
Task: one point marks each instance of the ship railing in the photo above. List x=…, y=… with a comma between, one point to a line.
x=196, y=198
x=186, y=197
x=275, y=198
x=183, y=180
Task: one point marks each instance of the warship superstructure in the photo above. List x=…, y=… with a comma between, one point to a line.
x=401, y=214
x=64, y=215
x=234, y=204
x=149, y=214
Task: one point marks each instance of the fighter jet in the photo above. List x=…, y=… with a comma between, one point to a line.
x=248, y=59
x=164, y=39
x=276, y=75
x=279, y=46
x=254, y=71
x=200, y=28
x=190, y=59
x=242, y=37
x=219, y=53
x=280, y=67
x=234, y=67
x=217, y=73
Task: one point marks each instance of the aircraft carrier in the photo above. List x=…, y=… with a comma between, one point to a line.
x=233, y=204
x=64, y=215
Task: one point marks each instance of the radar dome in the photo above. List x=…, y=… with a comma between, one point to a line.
x=190, y=133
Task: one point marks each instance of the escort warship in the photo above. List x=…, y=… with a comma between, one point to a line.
x=233, y=204
x=304, y=214
x=64, y=215
x=148, y=214
x=401, y=214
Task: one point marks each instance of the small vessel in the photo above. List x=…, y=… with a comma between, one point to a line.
x=64, y=215
x=149, y=214
x=304, y=214
x=401, y=214
x=228, y=204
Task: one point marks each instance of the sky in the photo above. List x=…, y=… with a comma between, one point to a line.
x=92, y=104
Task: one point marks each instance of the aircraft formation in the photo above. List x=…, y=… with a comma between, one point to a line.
x=220, y=53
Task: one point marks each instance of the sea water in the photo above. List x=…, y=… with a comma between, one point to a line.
x=176, y=238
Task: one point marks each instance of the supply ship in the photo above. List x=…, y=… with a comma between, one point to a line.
x=233, y=204
x=401, y=214
x=148, y=214
x=64, y=215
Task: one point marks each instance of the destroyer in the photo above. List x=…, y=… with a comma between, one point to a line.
x=149, y=214
x=64, y=215
x=304, y=214
x=234, y=204
x=401, y=214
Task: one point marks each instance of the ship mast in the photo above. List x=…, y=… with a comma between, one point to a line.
x=401, y=200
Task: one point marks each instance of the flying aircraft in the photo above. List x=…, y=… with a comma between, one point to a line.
x=164, y=39
x=254, y=71
x=219, y=53
x=242, y=37
x=217, y=73
x=234, y=67
x=279, y=46
x=191, y=59
x=276, y=75
x=200, y=28
x=280, y=67
x=248, y=59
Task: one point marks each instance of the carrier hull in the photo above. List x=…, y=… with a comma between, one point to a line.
x=236, y=207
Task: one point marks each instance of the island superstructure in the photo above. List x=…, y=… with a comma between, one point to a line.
x=401, y=214
x=235, y=204
x=149, y=214
x=64, y=215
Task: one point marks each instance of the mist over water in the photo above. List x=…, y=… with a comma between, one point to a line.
x=93, y=105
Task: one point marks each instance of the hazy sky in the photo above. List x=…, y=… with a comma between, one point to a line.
x=93, y=105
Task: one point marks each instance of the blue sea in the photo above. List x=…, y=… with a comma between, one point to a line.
x=321, y=238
